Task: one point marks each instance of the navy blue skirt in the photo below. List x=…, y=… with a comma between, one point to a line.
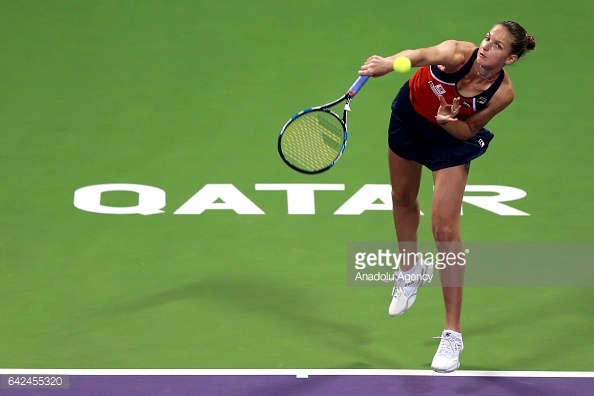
x=414, y=138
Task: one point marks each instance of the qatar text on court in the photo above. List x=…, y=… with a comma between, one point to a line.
x=300, y=199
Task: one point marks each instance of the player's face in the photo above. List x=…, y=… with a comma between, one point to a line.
x=495, y=49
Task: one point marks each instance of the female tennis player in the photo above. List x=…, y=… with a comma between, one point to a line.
x=437, y=121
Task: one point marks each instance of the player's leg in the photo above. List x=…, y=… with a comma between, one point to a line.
x=449, y=184
x=405, y=177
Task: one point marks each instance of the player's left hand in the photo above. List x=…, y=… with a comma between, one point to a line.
x=447, y=112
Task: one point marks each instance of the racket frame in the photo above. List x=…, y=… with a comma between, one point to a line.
x=347, y=98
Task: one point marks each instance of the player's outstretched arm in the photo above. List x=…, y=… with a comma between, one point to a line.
x=450, y=53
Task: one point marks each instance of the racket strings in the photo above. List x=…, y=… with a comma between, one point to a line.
x=313, y=140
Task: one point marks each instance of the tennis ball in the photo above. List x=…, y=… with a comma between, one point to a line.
x=402, y=64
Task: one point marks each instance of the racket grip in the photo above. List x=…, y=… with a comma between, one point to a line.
x=357, y=85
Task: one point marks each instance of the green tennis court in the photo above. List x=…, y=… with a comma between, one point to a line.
x=228, y=268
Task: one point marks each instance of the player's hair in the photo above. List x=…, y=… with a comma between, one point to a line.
x=522, y=41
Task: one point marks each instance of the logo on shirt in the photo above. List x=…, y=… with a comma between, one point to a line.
x=481, y=142
x=438, y=89
x=482, y=100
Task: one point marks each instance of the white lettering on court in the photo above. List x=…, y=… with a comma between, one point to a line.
x=300, y=199
x=219, y=197
x=150, y=199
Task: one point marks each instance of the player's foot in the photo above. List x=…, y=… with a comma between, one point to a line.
x=446, y=358
x=406, y=286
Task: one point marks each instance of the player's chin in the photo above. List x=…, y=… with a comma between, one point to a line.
x=486, y=63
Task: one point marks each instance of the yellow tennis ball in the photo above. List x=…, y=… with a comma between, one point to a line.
x=402, y=64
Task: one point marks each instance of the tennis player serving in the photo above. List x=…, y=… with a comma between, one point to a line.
x=438, y=121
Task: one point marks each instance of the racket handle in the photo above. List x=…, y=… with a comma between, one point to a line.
x=357, y=85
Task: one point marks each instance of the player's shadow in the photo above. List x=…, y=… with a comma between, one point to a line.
x=281, y=303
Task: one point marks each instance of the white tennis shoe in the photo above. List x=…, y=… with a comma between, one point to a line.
x=406, y=286
x=447, y=357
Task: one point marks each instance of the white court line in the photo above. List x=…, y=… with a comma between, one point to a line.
x=299, y=373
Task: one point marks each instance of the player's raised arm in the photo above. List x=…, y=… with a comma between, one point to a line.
x=450, y=53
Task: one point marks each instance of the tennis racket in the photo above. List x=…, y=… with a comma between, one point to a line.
x=313, y=140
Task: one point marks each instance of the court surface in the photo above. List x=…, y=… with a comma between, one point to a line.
x=209, y=253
